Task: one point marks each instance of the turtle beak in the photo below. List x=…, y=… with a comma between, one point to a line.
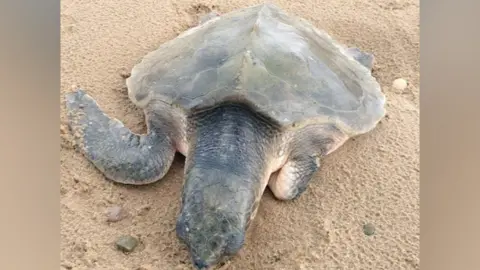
x=200, y=264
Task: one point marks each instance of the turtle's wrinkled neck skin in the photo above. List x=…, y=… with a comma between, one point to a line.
x=226, y=173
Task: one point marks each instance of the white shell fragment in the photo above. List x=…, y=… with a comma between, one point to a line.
x=400, y=84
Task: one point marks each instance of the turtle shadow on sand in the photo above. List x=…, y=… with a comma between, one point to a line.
x=241, y=96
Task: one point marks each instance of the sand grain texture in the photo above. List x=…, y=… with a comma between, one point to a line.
x=372, y=179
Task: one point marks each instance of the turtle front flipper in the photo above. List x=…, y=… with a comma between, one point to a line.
x=119, y=154
x=307, y=147
x=292, y=180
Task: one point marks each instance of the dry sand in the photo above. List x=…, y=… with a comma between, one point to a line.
x=373, y=179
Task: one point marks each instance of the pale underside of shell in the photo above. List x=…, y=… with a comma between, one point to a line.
x=281, y=65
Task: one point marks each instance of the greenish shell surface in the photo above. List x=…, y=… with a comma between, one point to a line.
x=281, y=65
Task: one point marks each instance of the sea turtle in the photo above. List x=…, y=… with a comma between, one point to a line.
x=252, y=98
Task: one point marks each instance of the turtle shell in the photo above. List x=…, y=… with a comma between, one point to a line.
x=282, y=66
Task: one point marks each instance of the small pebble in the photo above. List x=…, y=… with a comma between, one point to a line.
x=368, y=229
x=116, y=213
x=126, y=243
x=125, y=73
x=399, y=84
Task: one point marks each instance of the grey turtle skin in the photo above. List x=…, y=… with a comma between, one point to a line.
x=251, y=98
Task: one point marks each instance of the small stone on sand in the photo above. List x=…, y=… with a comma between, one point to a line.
x=399, y=84
x=124, y=73
x=116, y=213
x=126, y=243
x=368, y=229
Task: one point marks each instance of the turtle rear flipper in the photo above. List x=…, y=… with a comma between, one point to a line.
x=118, y=153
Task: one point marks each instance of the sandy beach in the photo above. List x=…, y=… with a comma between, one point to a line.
x=373, y=179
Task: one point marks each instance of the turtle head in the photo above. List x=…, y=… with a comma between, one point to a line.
x=225, y=175
x=211, y=236
x=216, y=209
